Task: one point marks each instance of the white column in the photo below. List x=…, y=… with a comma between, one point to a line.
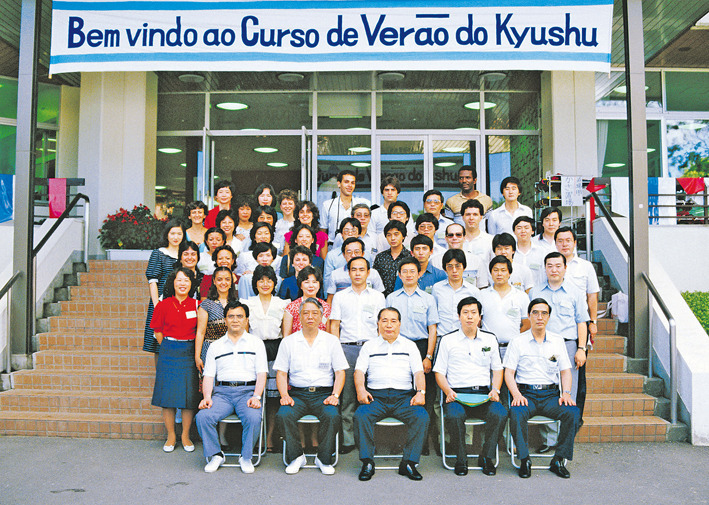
x=569, y=123
x=68, y=134
x=117, y=142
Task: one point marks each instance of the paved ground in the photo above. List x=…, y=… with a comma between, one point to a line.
x=77, y=471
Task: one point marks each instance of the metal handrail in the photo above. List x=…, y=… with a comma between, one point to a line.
x=611, y=222
x=673, y=347
x=3, y=291
x=61, y=219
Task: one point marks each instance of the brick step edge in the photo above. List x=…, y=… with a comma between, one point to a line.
x=45, y=424
x=623, y=429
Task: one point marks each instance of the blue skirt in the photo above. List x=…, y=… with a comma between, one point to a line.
x=176, y=376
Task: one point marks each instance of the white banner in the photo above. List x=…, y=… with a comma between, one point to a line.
x=310, y=35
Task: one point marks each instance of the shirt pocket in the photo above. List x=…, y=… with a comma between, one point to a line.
x=566, y=310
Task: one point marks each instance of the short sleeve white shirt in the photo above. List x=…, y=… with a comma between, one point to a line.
x=389, y=365
x=227, y=361
x=308, y=365
x=467, y=362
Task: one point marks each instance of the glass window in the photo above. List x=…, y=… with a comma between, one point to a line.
x=8, y=98
x=260, y=111
x=511, y=111
x=178, y=159
x=613, y=148
x=448, y=156
x=430, y=111
x=468, y=80
x=338, y=152
x=180, y=112
x=612, y=88
x=48, y=98
x=515, y=155
x=8, y=144
x=687, y=91
x=403, y=159
x=688, y=148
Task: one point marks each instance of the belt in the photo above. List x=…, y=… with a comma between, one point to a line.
x=477, y=389
x=236, y=383
x=538, y=387
x=313, y=389
x=571, y=339
x=179, y=339
x=359, y=343
x=503, y=344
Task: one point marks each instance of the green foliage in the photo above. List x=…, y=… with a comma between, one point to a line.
x=699, y=303
x=135, y=229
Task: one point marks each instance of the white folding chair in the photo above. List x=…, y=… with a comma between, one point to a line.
x=471, y=421
x=234, y=419
x=537, y=421
x=311, y=419
x=389, y=422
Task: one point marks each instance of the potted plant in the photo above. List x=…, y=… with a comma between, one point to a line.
x=131, y=235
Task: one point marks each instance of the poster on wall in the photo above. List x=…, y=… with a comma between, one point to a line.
x=6, y=197
x=315, y=35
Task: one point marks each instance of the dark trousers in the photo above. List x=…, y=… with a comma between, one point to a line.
x=306, y=403
x=391, y=403
x=431, y=390
x=545, y=403
x=494, y=414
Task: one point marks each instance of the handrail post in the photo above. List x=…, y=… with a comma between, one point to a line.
x=588, y=229
x=674, y=381
x=87, y=208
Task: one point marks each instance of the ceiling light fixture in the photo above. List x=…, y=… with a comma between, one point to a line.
x=291, y=77
x=615, y=165
x=445, y=164
x=170, y=150
x=476, y=105
x=266, y=150
x=623, y=89
x=232, y=106
x=360, y=164
x=191, y=78
x=493, y=75
x=160, y=187
x=455, y=149
x=360, y=149
x=277, y=164
x=391, y=76
x=651, y=149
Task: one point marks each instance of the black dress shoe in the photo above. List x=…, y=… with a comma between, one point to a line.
x=461, y=469
x=557, y=467
x=346, y=449
x=525, y=468
x=487, y=465
x=544, y=448
x=367, y=470
x=409, y=470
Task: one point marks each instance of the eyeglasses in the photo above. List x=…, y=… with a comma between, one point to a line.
x=433, y=200
x=398, y=213
x=538, y=313
x=454, y=234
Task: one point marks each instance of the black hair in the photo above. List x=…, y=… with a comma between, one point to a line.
x=401, y=204
x=470, y=300
x=169, y=289
x=259, y=273
x=223, y=214
x=432, y=192
x=213, y=295
x=225, y=184
x=255, y=228
x=523, y=219
x=395, y=224
x=389, y=309
x=550, y=210
x=297, y=229
x=260, y=189
x=565, y=229
x=421, y=240
x=184, y=246
x=350, y=220
x=267, y=209
x=224, y=248
x=307, y=272
x=552, y=255
x=454, y=254
x=312, y=207
x=537, y=301
x=390, y=180
x=243, y=201
x=472, y=203
x=262, y=247
x=235, y=304
x=351, y=240
x=410, y=260
x=358, y=258
x=172, y=223
x=345, y=172
x=427, y=217
x=468, y=168
x=510, y=180
x=214, y=230
x=300, y=249
x=504, y=240
x=500, y=259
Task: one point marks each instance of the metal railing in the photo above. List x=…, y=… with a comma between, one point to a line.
x=3, y=291
x=60, y=220
x=674, y=386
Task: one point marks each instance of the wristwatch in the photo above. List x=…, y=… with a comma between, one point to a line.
x=258, y=397
x=428, y=356
x=422, y=391
x=496, y=390
x=335, y=395
x=568, y=392
x=584, y=348
x=593, y=321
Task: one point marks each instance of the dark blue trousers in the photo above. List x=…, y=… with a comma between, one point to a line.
x=545, y=403
x=391, y=403
x=493, y=413
x=306, y=403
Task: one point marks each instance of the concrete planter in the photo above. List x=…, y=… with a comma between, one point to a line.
x=128, y=254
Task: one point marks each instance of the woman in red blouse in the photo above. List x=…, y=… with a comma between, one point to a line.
x=309, y=282
x=176, y=380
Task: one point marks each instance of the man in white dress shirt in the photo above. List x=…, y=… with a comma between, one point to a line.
x=501, y=219
x=333, y=211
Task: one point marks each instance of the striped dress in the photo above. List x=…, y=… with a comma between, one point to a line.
x=216, y=324
x=159, y=267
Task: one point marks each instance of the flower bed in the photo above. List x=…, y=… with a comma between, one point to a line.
x=134, y=229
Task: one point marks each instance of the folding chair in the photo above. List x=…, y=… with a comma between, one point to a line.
x=311, y=419
x=536, y=420
x=471, y=421
x=234, y=419
x=389, y=422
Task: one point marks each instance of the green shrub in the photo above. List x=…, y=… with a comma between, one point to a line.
x=699, y=303
x=134, y=229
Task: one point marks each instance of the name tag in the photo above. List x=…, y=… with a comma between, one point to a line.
x=190, y=314
x=368, y=309
x=513, y=312
x=419, y=309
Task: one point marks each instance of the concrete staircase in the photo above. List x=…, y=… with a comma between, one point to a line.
x=90, y=377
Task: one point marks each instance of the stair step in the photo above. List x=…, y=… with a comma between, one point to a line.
x=623, y=429
x=607, y=326
x=614, y=383
x=105, y=308
x=619, y=405
x=601, y=362
x=66, y=424
x=119, y=294
x=68, y=341
x=89, y=402
x=112, y=279
x=86, y=360
x=609, y=344
x=117, y=266
x=125, y=325
x=124, y=381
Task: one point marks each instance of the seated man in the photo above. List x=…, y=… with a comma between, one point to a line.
x=389, y=363
x=533, y=364
x=239, y=386
x=465, y=359
x=315, y=364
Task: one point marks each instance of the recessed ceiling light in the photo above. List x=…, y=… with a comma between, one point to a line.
x=651, y=149
x=360, y=164
x=216, y=177
x=160, y=187
x=191, y=78
x=615, y=165
x=358, y=128
x=170, y=150
x=265, y=150
x=183, y=164
x=622, y=89
x=445, y=164
x=361, y=149
x=291, y=77
x=476, y=105
x=493, y=75
x=691, y=126
x=232, y=106
x=455, y=149
x=277, y=164
x=346, y=117
x=467, y=128
x=250, y=129
x=391, y=76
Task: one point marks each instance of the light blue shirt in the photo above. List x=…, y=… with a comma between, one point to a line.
x=340, y=279
x=428, y=279
x=447, y=300
x=568, y=308
x=418, y=312
x=334, y=260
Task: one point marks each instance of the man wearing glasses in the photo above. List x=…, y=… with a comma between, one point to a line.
x=475, y=272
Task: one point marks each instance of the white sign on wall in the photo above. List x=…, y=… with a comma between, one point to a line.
x=310, y=35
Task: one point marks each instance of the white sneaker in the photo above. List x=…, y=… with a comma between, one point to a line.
x=246, y=465
x=295, y=465
x=325, y=469
x=214, y=463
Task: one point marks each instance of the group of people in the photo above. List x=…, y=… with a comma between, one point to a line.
x=354, y=314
